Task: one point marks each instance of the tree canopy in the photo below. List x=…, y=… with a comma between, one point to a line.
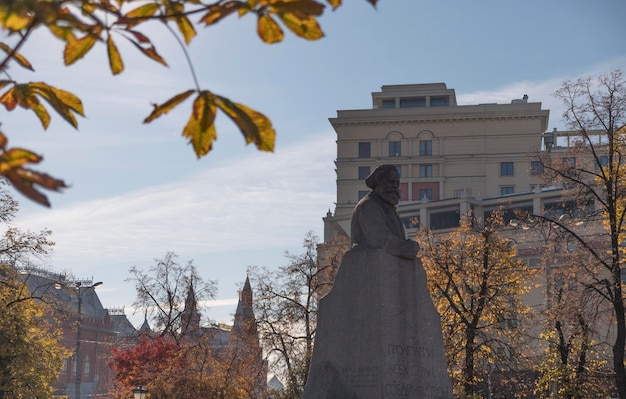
x=82, y=24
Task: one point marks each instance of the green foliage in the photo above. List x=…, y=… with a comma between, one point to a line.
x=81, y=24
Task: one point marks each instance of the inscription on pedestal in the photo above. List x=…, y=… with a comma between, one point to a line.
x=361, y=377
x=407, y=365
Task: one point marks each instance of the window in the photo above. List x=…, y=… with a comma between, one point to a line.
x=536, y=168
x=364, y=171
x=506, y=169
x=412, y=102
x=602, y=161
x=395, y=148
x=426, y=170
x=569, y=162
x=362, y=194
x=506, y=190
x=364, y=150
x=389, y=103
x=64, y=367
x=399, y=169
x=86, y=367
x=426, y=193
x=439, y=101
x=426, y=147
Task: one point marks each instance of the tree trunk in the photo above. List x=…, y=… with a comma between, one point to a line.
x=468, y=366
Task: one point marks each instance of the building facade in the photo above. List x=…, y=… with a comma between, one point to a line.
x=451, y=158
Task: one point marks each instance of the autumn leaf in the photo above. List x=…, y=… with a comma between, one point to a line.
x=334, y=3
x=64, y=103
x=200, y=129
x=302, y=25
x=76, y=49
x=168, y=105
x=308, y=7
x=186, y=28
x=134, y=16
x=17, y=157
x=216, y=13
x=268, y=30
x=255, y=127
x=25, y=181
x=115, y=60
x=16, y=56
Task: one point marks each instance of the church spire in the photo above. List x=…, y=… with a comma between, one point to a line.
x=190, y=317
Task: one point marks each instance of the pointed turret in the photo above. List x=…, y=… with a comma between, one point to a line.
x=190, y=317
x=244, y=315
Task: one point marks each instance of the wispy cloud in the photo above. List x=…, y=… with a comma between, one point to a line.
x=259, y=201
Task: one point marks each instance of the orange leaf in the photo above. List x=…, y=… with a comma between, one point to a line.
x=268, y=30
x=168, y=105
x=200, y=129
x=115, y=60
x=24, y=181
x=8, y=99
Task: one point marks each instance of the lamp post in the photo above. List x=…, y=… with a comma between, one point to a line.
x=140, y=392
x=79, y=294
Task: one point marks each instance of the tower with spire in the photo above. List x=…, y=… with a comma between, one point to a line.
x=190, y=317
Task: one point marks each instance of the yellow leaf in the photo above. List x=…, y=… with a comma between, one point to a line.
x=200, y=129
x=63, y=102
x=146, y=10
x=17, y=157
x=309, y=7
x=16, y=56
x=216, y=13
x=43, y=115
x=115, y=60
x=76, y=49
x=302, y=25
x=268, y=30
x=13, y=19
x=334, y=3
x=255, y=127
x=186, y=28
x=168, y=105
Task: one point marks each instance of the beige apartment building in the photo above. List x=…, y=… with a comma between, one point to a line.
x=451, y=158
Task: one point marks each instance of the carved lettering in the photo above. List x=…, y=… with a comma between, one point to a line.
x=410, y=351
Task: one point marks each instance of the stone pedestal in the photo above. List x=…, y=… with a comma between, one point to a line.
x=378, y=333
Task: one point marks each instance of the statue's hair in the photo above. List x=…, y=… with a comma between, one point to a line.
x=379, y=174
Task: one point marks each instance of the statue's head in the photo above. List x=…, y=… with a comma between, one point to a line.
x=385, y=181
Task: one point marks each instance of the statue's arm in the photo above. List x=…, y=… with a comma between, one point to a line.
x=373, y=223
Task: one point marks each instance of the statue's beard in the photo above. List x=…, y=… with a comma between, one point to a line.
x=391, y=196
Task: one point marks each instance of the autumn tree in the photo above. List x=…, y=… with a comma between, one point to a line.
x=30, y=351
x=162, y=292
x=591, y=170
x=81, y=24
x=477, y=286
x=286, y=309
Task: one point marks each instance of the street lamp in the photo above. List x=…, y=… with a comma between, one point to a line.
x=140, y=392
x=79, y=293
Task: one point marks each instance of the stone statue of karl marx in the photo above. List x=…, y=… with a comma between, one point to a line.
x=375, y=223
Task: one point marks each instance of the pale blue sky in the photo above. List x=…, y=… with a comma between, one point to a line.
x=138, y=190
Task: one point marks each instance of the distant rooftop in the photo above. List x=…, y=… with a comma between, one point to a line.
x=414, y=95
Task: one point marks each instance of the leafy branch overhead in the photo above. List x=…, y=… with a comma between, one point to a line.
x=81, y=24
